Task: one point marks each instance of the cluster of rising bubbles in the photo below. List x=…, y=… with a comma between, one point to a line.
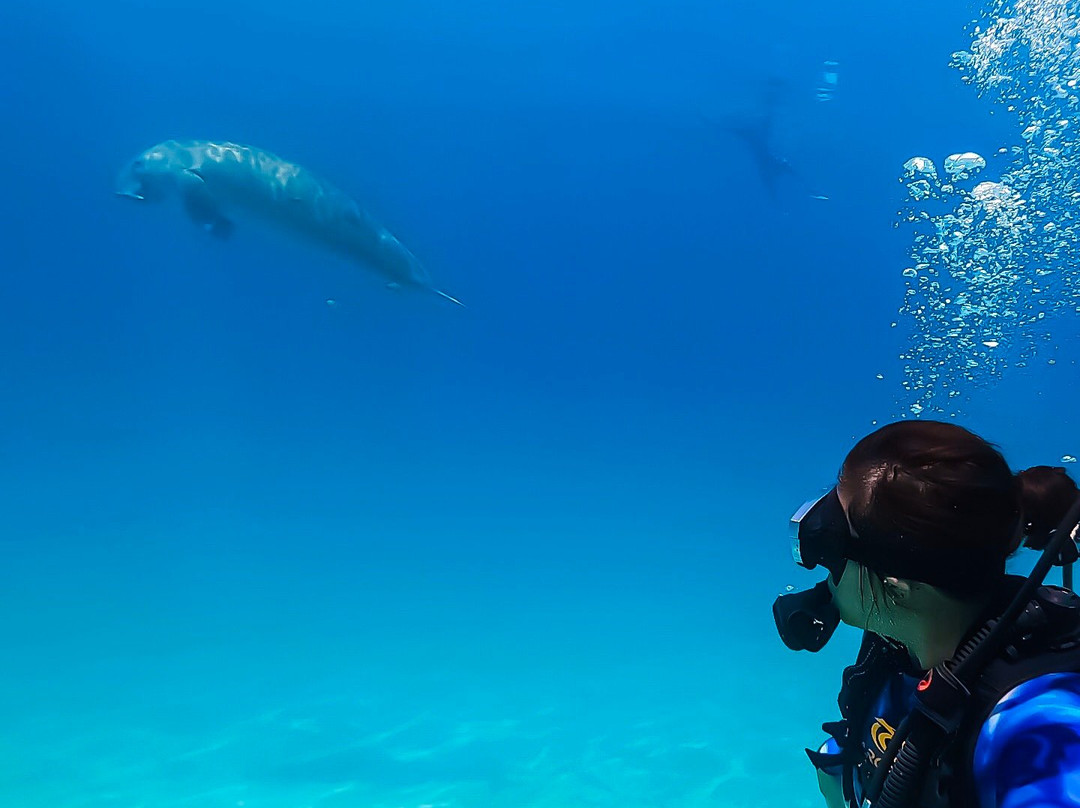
x=994, y=261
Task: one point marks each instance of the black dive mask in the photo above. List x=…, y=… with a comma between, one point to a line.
x=819, y=535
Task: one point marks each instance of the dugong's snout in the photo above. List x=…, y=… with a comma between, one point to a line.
x=129, y=183
x=138, y=180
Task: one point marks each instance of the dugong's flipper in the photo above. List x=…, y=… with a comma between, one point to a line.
x=201, y=207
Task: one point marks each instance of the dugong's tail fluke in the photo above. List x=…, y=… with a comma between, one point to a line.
x=451, y=299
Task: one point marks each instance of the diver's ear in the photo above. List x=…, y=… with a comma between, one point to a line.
x=897, y=589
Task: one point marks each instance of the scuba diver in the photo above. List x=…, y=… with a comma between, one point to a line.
x=966, y=690
x=756, y=133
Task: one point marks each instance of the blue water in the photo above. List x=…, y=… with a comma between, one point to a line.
x=263, y=551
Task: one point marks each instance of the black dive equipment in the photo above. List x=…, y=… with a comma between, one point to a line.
x=819, y=533
x=806, y=620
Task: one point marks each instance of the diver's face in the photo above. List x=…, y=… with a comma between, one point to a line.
x=859, y=595
x=145, y=178
x=852, y=598
x=851, y=595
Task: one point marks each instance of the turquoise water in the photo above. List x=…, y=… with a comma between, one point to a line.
x=266, y=550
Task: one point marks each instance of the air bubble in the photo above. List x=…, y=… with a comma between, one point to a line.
x=920, y=165
x=962, y=166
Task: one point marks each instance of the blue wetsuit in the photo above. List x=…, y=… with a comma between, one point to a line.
x=1028, y=751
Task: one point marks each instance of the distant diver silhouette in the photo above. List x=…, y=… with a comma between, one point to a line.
x=757, y=135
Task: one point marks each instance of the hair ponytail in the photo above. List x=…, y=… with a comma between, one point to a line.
x=1046, y=493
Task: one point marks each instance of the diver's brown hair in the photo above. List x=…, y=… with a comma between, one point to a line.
x=936, y=486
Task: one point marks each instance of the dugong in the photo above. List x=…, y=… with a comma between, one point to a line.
x=219, y=181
